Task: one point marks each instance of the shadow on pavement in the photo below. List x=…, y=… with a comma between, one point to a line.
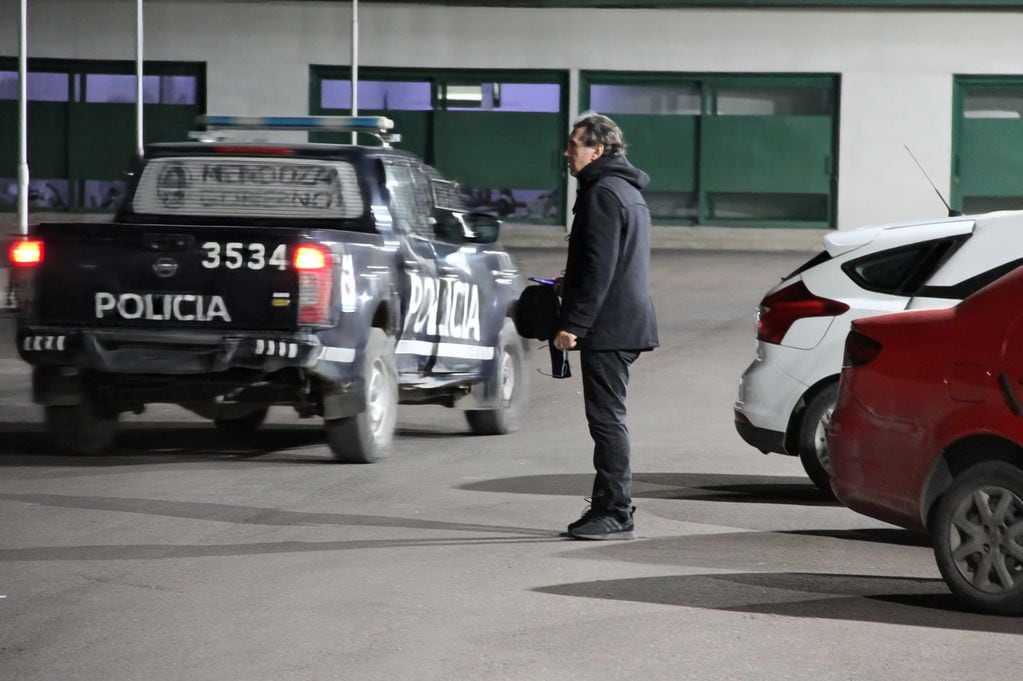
x=253, y=516
x=27, y=445
x=880, y=535
x=105, y=552
x=757, y=489
x=769, y=551
x=889, y=600
x=24, y=444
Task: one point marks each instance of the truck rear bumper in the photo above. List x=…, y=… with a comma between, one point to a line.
x=166, y=352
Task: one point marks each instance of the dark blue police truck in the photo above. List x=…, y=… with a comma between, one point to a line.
x=335, y=279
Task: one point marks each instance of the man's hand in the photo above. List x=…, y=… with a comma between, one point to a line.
x=565, y=340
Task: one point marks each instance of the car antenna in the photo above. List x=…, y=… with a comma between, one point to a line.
x=952, y=213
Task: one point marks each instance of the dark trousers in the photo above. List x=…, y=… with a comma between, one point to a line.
x=605, y=383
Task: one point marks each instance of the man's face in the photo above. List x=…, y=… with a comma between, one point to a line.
x=578, y=154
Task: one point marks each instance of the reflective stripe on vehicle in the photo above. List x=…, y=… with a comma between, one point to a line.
x=335, y=354
x=278, y=348
x=460, y=351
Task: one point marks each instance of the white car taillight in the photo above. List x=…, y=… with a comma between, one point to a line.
x=779, y=310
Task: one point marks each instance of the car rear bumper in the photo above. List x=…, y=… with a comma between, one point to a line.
x=763, y=439
x=868, y=474
x=767, y=397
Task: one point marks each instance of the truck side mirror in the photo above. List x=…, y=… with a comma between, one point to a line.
x=481, y=228
x=456, y=228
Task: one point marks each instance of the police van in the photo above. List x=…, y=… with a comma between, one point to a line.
x=340, y=280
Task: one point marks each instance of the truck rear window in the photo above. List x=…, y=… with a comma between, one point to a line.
x=246, y=186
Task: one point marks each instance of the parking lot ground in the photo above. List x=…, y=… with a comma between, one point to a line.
x=192, y=555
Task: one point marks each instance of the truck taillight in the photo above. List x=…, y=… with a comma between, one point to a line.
x=314, y=283
x=26, y=253
x=311, y=257
x=781, y=309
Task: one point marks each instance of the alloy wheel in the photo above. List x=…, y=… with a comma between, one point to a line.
x=985, y=539
x=820, y=439
x=507, y=377
x=378, y=399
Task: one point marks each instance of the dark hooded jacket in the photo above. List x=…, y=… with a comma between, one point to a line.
x=606, y=300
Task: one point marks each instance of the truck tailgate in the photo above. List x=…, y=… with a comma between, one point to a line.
x=166, y=276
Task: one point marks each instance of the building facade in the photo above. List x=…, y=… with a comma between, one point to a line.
x=759, y=114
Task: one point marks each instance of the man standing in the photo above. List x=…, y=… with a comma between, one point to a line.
x=606, y=309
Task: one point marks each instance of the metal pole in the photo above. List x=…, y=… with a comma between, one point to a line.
x=355, y=64
x=23, y=118
x=138, y=79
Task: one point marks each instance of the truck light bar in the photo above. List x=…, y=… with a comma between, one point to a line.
x=377, y=126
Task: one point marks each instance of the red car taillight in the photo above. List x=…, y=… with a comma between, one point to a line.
x=779, y=310
x=859, y=349
x=26, y=253
x=314, y=283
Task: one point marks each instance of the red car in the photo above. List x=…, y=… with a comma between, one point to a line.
x=928, y=434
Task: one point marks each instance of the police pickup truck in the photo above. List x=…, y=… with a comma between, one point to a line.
x=335, y=279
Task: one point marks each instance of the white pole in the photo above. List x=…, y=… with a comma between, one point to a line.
x=23, y=119
x=138, y=79
x=355, y=64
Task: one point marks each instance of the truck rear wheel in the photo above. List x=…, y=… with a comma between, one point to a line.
x=81, y=429
x=509, y=381
x=367, y=436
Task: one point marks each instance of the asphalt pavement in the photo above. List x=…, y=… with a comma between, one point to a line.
x=192, y=555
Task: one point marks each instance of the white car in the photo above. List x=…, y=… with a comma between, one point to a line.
x=787, y=394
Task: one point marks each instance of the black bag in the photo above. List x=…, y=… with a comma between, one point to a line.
x=536, y=316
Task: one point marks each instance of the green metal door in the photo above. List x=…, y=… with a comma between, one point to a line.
x=47, y=153
x=987, y=145
x=660, y=118
x=49, y=93
x=81, y=126
x=499, y=134
x=754, y=151
x=766, y=149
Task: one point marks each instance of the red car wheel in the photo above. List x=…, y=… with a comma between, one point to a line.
x=978, y=538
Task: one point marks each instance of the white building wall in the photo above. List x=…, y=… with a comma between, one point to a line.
x=896, y=66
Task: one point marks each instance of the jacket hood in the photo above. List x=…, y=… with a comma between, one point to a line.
x=612, y=166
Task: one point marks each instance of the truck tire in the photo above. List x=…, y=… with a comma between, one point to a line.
x=510, y=381
x=80, y=429
x=367, y=436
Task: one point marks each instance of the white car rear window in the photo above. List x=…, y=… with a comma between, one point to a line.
x=248, y=186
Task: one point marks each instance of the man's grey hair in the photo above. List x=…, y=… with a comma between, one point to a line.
x=599, y=129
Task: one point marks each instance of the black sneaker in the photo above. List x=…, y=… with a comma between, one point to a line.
x=604, y=527
x=586, y=517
